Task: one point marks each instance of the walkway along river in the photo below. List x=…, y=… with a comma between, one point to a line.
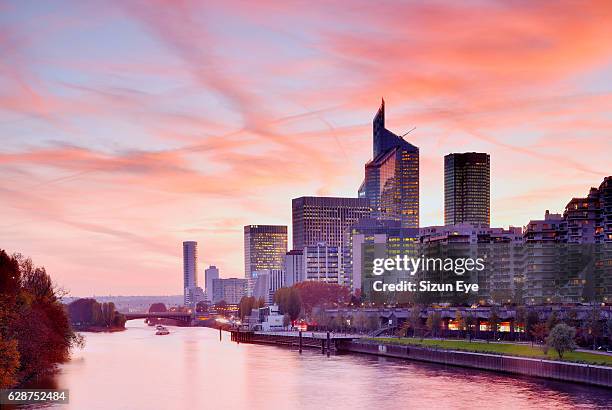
x=328, y=342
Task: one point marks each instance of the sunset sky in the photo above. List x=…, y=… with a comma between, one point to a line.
x=128, y=127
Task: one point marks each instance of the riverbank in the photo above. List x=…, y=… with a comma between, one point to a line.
x=97, y=329
x=548, y=369
x=491, y=361
x=508, y=349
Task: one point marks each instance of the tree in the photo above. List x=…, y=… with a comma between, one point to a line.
x=434, y=321
x=246, y=305
x=360, y=321
x=10, y=276
x=321, y=318
x=415, y=320
x=519, y=318
x=289, y=301
x=9, y=363
x=561, y=339
x=88, y=312
x=531, y=321
x=494, y=321
x=594, y=325
x=609, y=329
x=339, y=322
x=321, y=294
x=552, y=321
x=403, y=330
x=539, y=332
x=35, y=331
x=158, y=308
x=460, y=321
x=572, y=317
x=470, y=320
x=108, y=314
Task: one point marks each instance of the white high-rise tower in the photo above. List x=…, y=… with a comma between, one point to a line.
x=190, y=270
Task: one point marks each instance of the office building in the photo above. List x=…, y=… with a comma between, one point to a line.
x=545, y=241
x=294, y=267
x=369, y=236
x=194, y=295
x=210, y=274
x=325, y=219
x=569, y=256
x=267, y=283
x=230, y=290
x=265, y=247
x=190, y=270
x=501, y=279
x=467, y=188
x=391, y=182
x=322, y=264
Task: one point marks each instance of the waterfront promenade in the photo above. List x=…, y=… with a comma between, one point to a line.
x=357, y=343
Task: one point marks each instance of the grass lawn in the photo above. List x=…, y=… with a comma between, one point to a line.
x=503, y=348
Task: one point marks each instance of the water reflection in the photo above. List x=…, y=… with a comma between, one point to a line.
x=190, y=369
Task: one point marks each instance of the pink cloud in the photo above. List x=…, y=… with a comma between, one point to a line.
x=213, y=116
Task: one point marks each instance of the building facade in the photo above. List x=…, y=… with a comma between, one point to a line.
x=294, y=267
x=569, y=255
x=467, y=188
x=190, y=270
x=371, y=236
x=322, y=264
x=265, y=247
x=501, y=250
x=210, y=274
x=325, y=219
x=230, y=290
x=267, y=283
x=391, y=182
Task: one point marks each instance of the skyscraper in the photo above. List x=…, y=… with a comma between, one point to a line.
x=391, y=182
x=467, y=188
x=325, y=220
x=210, y=274
x=265, y=247
x=370, y=233
x=320, y=225
x=190, y=270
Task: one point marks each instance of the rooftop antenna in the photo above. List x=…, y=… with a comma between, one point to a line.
x=413, y=128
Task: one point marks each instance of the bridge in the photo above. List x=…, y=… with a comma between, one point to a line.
x=183, y=317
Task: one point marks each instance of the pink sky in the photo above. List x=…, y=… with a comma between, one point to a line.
x=128, y=127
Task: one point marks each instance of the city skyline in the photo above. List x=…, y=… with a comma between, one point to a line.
x=135, y=138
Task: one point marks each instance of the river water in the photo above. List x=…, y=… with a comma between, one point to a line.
x=192, y=369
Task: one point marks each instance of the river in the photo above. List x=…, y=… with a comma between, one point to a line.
x=192, y=369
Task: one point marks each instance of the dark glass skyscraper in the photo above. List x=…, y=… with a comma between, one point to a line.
x=467, y=188
x=391, y=181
